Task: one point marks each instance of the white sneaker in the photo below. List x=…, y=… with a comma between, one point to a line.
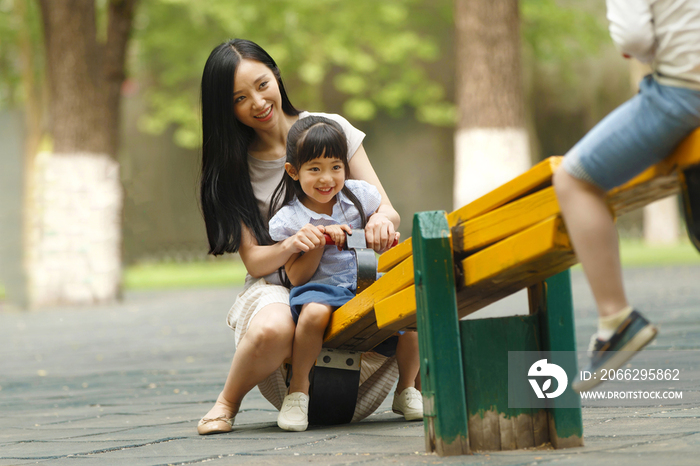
x=408, y=403
x=294, y=414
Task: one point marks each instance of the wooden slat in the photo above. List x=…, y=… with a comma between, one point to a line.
x=535, y=178
x=505, y=221
x=392, y=311
x=513, y=264
x=354, y=316
x=395, y=255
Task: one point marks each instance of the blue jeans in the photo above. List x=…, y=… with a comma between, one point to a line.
x=636, y=135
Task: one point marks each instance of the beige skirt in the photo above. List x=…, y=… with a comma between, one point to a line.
x=377, y=373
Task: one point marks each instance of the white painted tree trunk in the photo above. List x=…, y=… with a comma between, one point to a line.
x=485, y=158
x=662, y=222
x=75, y=237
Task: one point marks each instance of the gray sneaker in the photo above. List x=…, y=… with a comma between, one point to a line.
x=633, y=334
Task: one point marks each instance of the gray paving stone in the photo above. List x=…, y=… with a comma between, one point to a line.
x=126, y=384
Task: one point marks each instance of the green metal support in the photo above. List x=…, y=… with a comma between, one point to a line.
x=442, y=377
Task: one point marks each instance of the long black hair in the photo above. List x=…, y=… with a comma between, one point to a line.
x=308, y=139
x=226, y=193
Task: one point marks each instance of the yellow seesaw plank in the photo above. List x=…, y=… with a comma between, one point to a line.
x=357, y=316
x=505, y=221
x=522, y=258
x=535, y=178
x=658, y=181
x=517, y=262
x=398, y=311
x=395, y=255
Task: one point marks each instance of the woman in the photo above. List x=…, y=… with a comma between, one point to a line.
x=246, y=116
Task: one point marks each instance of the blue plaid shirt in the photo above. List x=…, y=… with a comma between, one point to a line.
x=337, y=268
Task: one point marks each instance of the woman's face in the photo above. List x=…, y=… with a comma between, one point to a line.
x=256, y=95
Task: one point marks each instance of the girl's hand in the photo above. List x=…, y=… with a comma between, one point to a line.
x=380, y=233
x=337, y=234
x=308, y=238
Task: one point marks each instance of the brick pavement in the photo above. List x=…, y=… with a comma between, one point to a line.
x=126, y=384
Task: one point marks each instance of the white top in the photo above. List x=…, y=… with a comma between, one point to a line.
x=664, y=33
x=265, y=175
x=337, y=268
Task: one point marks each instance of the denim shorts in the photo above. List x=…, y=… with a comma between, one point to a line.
x=636, y=135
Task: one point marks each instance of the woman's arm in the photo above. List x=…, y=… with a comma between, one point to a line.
x=381, y=227
x=263, y=260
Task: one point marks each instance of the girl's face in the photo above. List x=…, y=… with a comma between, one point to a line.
x=257, y=102
x=320, y=179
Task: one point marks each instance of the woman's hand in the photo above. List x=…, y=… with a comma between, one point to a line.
x=380, y=233
x=337, y=234
x=307, y=239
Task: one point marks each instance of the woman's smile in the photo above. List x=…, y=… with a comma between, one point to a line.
x=265, y=115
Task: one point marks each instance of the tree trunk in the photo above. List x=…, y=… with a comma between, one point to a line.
x=491, y=142
x=76, y=233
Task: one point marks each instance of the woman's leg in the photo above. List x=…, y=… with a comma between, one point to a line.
x=408, y=361
x=308, y=339
x=264, y=347
x=594, y=238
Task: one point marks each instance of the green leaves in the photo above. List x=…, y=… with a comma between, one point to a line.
x=373, y=54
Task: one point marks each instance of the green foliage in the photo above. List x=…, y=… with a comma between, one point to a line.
x=184, y=275
x=386, y=56
x=562, y=31
x=374, y=53
x=20, y=46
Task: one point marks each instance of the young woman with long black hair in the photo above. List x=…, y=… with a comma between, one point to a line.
x=246, y=116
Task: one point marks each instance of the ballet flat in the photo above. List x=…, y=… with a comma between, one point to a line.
x=219, y=425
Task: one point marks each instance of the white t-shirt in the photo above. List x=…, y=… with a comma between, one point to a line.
x=265, y=175
x=665, y=33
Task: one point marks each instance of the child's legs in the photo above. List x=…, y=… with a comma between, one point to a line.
x=594, y=238
x=638, y=134
x=308, y=339
x=265, y=346
x=408, y=360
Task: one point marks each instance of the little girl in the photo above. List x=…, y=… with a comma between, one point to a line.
x=317, y=198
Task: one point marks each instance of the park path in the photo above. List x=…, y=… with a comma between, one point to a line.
x=126, y=384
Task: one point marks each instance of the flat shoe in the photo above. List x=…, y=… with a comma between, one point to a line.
x=219, y=425
x=294, y=414
x=408, y=403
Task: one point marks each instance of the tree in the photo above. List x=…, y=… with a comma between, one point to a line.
x=491, y=142
x=375, y=54
x=76, y=227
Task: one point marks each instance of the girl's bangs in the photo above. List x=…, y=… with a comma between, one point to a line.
x=322, y=140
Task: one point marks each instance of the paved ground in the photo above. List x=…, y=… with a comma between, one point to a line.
x=126, y=384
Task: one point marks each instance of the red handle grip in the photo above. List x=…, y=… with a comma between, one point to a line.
x=330, y=242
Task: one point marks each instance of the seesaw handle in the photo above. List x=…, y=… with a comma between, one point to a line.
x=330, y=242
